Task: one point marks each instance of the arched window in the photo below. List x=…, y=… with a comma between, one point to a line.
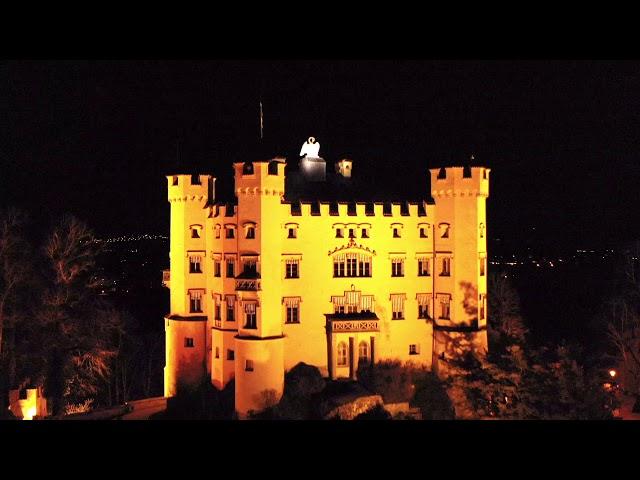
x=363, y=352
x=342, y=354
x=444, y=230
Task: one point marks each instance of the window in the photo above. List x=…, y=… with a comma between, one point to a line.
x=423, y=311
x=292, y=314
x=446, y=267
x=230, y=232
x=230, y=355
x=423, y=232
x=397, y=267
x=195, y=179
x=216, y=268
x=230, y=268
x=251, y=232
x=250, y=266
x=175, y=180
x=218, y=307
x=397, y=306
x=292, y=233
x=364, y=233
x=338, y=233
x=188, y=342
x=247, y=168
x=217, y=352
x=248, y=365
x=424, y=301
x=292, y=309
x=195, y=265
x=195, y=301
x=414, y=349
x=423, y=267
x=250, y=320
x=352, y=233
x=231, y=303
x=481, y=229
x=483, y=262
x=445, y=306
x=396, y=233
x=444, y=230
x=195, y=232
x=217, y=229
x=342, y=354
x=363, y=352
x=352, y=265
x=291, y=269
x=365, y=268
x=482, y=302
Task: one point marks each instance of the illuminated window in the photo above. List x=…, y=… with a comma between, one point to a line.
x=423, y=267
x=195, y=265
x=230, y=268
x=445, y=306
x=338, y=233
x=230, y=232
x=188, y=342
x=231, y=302
x=217, y=352
x=397, y=306
x=482, y=266
x=414, y=349
x=481, y=229
x=230, y=355
x=292, y=268
x=396, y=233
x=292, y=233
x=363, y=352
x=248, y=365
x=195, y=301
x=342, y=354
x=444, y=230
x=250, y=320
x=397, y=267
x=251, y=232
x=352, y=265
x=216, y=268
x=364, y=233
x=446, y=267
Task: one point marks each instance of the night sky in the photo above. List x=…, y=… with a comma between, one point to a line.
x=95, y=138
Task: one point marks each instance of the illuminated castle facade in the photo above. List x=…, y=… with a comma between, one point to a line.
x=267, y=281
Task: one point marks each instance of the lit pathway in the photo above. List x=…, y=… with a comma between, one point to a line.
x=143, y=409
x=625, y=409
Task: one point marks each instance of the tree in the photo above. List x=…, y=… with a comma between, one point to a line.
x=504, y=318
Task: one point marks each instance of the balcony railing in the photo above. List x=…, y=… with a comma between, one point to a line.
x=347, y=325
x=166, y=278
x=248, y=285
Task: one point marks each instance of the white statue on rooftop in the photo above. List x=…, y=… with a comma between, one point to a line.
x=310, y=148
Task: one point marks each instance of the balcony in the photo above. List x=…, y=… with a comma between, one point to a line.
x=353, y=322
x=251, y=285
x=166, y=278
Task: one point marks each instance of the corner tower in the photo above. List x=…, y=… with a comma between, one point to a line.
x=460, y=271
x=186, y=323
x=259, y=344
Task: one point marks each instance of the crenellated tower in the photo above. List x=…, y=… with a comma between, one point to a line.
x=259, y=353
x=460, y=268
x=186, y=324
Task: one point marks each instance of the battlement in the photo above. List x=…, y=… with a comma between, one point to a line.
x=459, y=181
x=260, y=177
x=187, y=187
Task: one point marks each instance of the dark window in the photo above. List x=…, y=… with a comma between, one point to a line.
x=195, y=179
x=273, y=168
x=352, y=233
x=446, y=267
x=292, y=233
x=195, y=233
x=217, y=352
x=442, y=173
x=250, y=321
x=216, y=268
x=365, y=234
x=230, y=233
x=423, y=311
x=338, y=233
x=248, y=365
x=396, y=268
x=195, y=302
x=217, y=232
x=247, y=168
x=250, y=267
x=351, y=267
x=482, y=267
x=292, y=270
x=423, y=268
x=175, y=180
x=218, y=313
x=396, y=233
x=194, y=264
x=414, y=350
x=230, y=355
x=423, y=232
x=251, y=232
x=293, y=314
x=230, y=269
x=365, y=268
x=230, y=313
x=188, y=342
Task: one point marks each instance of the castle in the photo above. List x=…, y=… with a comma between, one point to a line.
x=294, y=272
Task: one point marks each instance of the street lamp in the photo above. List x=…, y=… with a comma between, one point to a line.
x=612, y=373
